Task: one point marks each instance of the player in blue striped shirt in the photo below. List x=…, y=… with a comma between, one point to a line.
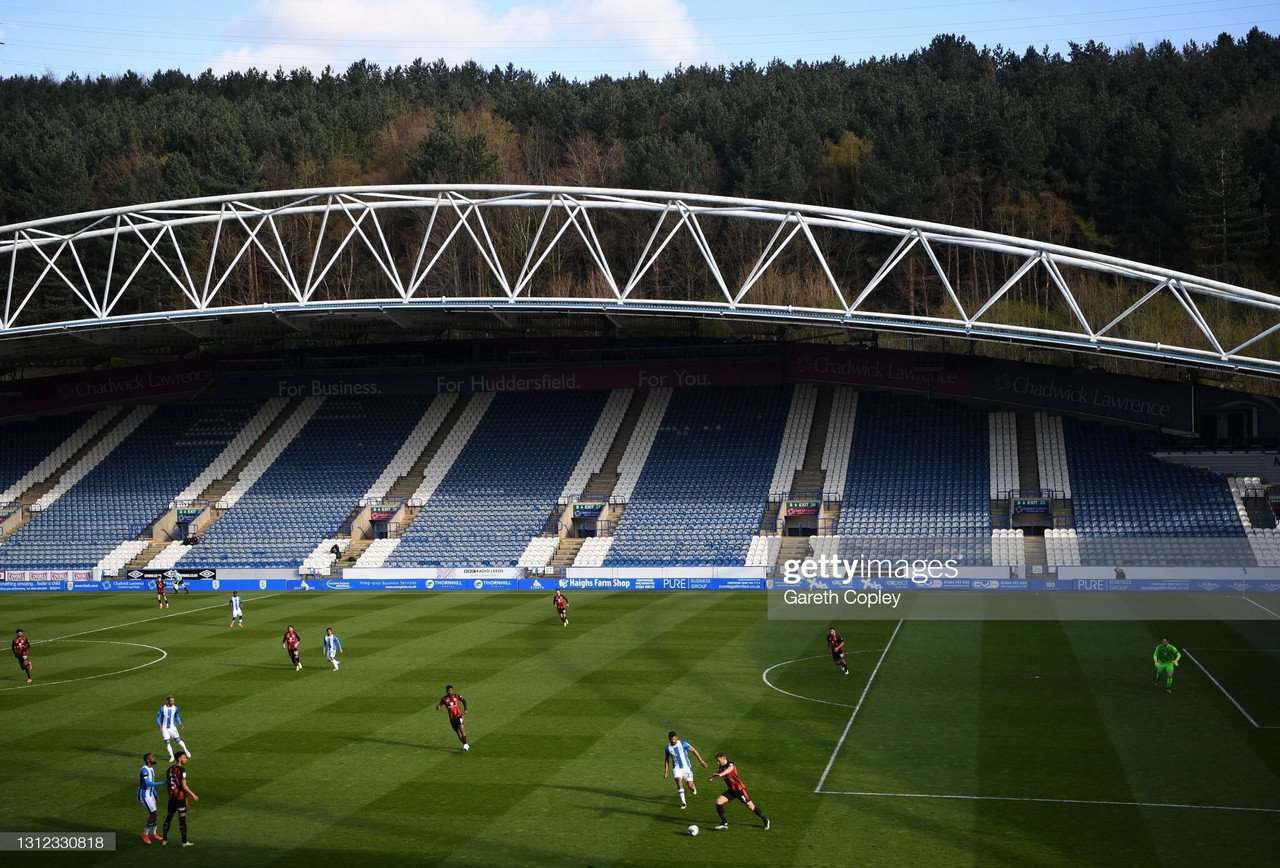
x=675, y=756
x=147, y=784
x=332, y=647
x=170, y=721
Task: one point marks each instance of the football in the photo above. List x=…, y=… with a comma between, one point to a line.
x=693, y=830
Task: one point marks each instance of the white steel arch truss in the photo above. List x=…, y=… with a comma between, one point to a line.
x=174, y=261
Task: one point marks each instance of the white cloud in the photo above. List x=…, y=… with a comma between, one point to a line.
x=575, y=37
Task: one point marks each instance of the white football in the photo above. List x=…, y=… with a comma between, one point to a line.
x=693, y=830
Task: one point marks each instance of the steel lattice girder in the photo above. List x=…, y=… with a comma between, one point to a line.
x=54, y=250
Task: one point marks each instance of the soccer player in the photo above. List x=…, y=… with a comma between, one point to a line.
x=21, y=650
x=170, y=721
x=736, y=791
x=179, y=790
x=676, y=757
x=457, y=707
x=332, y=647
x=180, y=584
x=147, y=784
x=290, y=643
x=162, y=594
x=835, y=642
x=1166, y=657
x=562, y=607
x=237, y=613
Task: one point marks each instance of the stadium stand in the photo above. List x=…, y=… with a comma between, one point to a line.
x=706, y=478
x=795, y=437
x=1134, y=509
x=637, y=454
x=307, y=479
x=25, y=456
x=234, y=451
x=597, y=448
x=1003, y=453
x=119, y=486
x=593, y=552
x=835, y=453
x=270, y=451
x=1007, y=547
x=919, y=482
x=455, y=441
x=114, y=561
x=1264, y=542
x=538, y=552
x=502, y=482
x=321, y=559
x=1051, y=455
x=377, y=552
x=101, y=448
x=763, y=551
x=1062, y=547
x=169, y=556
x=413, y=446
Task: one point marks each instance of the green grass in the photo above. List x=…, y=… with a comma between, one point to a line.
x=567, y=727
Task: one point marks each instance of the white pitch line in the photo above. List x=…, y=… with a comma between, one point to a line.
x=146, y=620
x=822, y=780
x=163, y=655
x=1230, y=698
x=1106, y=802
x=764, y=676
x=1262, y=607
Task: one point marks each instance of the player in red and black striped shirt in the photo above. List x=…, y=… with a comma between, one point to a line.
x=835, y=643
x=21, y=647
x=162, y=593
x=176, y=780
x=736, y=791
x=457, y=707
x=562, y=607
x=290, y=643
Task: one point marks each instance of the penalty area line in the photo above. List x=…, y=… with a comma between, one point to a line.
x=147, y=620
x=1230, y=698
x=852, y=717
x=1032, y=799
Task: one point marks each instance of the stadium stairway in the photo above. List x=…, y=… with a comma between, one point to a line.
x=49, y=473
x=566, y=552
x=600, y=484
x=218, y=488
x=1028, y=459
x=46, y=474
x=1036, y=552
x=811, y=477
x=407, y=485
x=623, y=465
x=793, y=548
x=169, y=553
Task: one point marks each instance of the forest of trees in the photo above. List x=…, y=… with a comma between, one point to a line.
x=1165, y=155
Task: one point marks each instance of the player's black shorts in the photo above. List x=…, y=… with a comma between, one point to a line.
x=837, y=656
x=177, y=806
x=737, y=796
x=456, y=723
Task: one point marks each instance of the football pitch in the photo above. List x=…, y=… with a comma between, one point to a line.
x=961, y=743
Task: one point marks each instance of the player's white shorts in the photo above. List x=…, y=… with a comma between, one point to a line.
x=148, y=798
x=685, y=773
x=331, y=655
x=169, y=732
x=236, y=613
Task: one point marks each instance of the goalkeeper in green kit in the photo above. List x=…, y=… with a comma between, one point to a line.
x=1166, y=657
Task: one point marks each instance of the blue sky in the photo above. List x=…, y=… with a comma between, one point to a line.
x=577, y=38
